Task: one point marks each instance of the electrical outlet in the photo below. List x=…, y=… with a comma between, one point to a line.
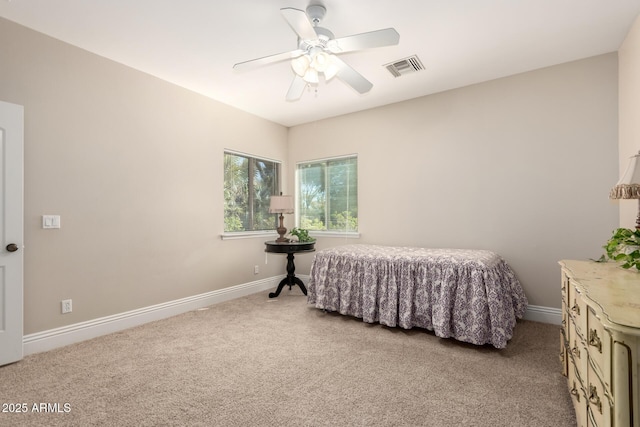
x=66, y=306
x=256, y=269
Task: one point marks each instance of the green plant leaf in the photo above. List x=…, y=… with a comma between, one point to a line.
x=622, y=247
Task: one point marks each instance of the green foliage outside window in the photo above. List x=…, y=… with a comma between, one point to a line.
x=249, y=184
x=328, y=195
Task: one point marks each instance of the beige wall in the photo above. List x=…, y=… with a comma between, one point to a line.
x=134, y=167
x=520, y=165
x=629, y=94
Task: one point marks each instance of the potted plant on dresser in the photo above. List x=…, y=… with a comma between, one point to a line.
x=624, y=247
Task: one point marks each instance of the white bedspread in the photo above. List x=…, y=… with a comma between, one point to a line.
x=469, y=295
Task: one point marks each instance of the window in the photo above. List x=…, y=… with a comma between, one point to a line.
x=249, y=183
x=327, y=194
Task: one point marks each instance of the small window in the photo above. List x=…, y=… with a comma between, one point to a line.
x=249, y=183
x=327, y=194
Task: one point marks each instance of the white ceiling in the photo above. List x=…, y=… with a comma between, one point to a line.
x=194, y=43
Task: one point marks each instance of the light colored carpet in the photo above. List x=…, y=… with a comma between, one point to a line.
x=260, y=362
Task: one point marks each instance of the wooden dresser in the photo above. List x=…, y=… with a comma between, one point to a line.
x=600, y=342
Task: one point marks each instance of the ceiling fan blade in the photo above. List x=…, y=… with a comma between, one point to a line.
x=299, y=22
x=352, y=77
x=254, y=63
x=296, y=89
x=379, y=38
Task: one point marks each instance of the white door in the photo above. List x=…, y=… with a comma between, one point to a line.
x=11, y=231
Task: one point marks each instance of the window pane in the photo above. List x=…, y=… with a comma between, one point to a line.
x=311, y=195
x=328, y=195
x=236, y=192
x=248, y=186
x=343, y=195
x=265, y=178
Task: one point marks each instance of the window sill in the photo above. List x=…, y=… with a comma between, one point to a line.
x=273, y=235
x=249, y=235
x=340, y=234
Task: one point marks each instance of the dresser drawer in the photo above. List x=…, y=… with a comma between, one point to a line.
x=598, y=341
x=598, y=399
x=577, y=310
x=564, y=342
x=563, y=352
x=564, y=291
x=577, y=347
x=578, y=396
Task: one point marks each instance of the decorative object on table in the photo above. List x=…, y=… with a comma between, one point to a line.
x=629, y=185
x=282, y=205
x=302, y=235
x=624, y=247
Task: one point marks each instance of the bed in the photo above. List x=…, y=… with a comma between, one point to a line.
x=469, y=295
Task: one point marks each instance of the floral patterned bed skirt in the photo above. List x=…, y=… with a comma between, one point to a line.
x=469, y=295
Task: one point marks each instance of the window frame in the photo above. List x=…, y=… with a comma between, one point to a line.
x=244, y=234
x=326, y=232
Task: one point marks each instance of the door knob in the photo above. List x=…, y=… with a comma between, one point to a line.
x=12, y=247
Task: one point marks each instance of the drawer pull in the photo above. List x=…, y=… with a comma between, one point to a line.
x=575, y=350
x=594, y=340
x=574, y=392
x=576, y=308
x=594, y=398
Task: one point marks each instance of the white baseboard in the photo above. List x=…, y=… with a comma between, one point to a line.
x=65, y=335
x=542, y=314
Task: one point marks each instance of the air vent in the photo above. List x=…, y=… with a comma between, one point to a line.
x=405, y=66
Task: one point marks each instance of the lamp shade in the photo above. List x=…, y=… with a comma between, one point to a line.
x=629, y=185
x=281, y=204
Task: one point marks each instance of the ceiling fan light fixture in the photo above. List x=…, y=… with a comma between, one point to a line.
x=311, y=76
x=301, y=64
x=310, y=65
x=331, y=71
x=321, y=61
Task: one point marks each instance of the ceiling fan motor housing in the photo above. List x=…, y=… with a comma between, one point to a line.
x=324, y=36
x=316, y=13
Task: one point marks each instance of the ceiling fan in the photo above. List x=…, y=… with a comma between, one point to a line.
x=318, y=49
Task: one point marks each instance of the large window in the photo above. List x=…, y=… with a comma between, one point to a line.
x=249, y=183
x=327, y=194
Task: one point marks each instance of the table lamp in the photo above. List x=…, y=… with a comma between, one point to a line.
x=282, y=205
x=629, y=185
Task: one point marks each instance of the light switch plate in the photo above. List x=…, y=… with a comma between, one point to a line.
x=50, y=221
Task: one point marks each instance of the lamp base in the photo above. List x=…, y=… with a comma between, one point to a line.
x=281, y=231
